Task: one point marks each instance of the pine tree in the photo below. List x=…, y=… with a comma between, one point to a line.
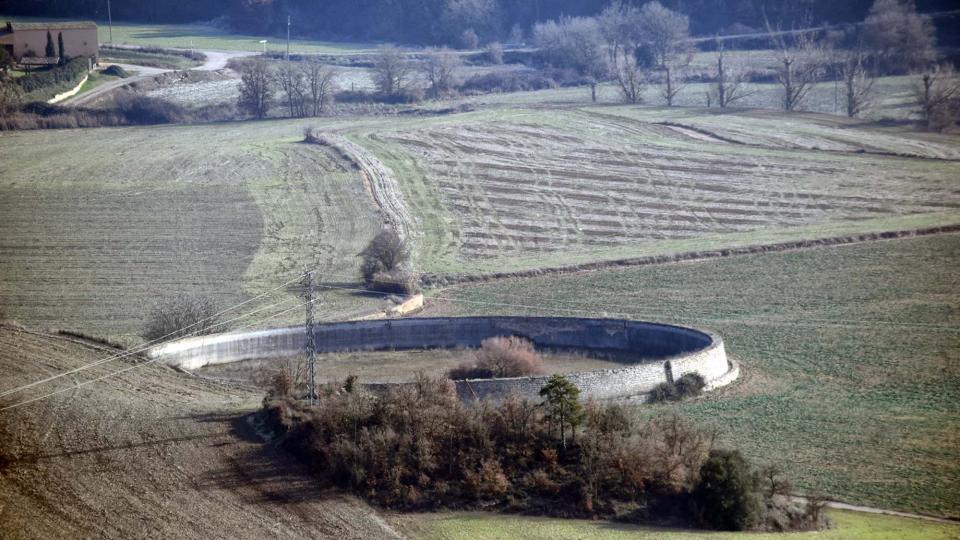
x=562, y=402
x=63, y=54
x=51, y=52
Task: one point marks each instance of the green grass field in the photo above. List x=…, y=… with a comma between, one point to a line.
x=850, y=357
x=129, y=215
x=202, y=36
x=847, y=526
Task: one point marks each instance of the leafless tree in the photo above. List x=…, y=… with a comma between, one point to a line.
x=801, y=64
x=293, y=83
x=321, y=84
x=576, y=43
x=629, y=78
x=439, y=69
x=857, y=82
x=663, y=30
x=937, y=92
x=674, y=77
x=901, y=38
x=256, y=88
x=391, y=70
x=730, y=83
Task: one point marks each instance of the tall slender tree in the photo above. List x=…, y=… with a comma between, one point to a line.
x=60, y=49
x=51, y=51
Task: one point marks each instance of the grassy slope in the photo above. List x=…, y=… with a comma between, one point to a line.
x=612, y=129
x=847, y=526
x=139, y=58
x=850, y=355
x=129, y=215
x=201, y=36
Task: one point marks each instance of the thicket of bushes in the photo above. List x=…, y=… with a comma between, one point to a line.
x=386, y=265
x=689, y=385
x=126, y=109
x=501, y=357
x=417, y=447
x=180, y=316
x=52, y=78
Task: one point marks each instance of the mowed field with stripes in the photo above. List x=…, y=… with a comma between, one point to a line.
x=537, y=188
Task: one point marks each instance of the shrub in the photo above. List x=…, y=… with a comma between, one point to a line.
x=141, y=109
x=181, y=316
x=727, y=495
x=689, y=385
x=51, y=78
x=116, y=71
x=501, y=357
x=418, y=447
x=385, y=264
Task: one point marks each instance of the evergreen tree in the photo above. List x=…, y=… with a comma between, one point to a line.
x=562, y=402
x=51, y=51
x=60, y=48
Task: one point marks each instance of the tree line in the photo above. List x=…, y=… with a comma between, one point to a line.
x=441, y=22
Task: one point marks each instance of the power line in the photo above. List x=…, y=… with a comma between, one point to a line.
x=124, y=370
x=151, y=343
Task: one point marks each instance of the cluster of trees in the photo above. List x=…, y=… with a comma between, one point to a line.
x=307, y=88
x=418, y=447
x=636, y=46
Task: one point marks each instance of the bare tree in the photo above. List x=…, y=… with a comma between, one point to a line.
x=801, y=59
x=256, y=88
x=674, y=78
x=857, y=82
x=576, y=43
x=902, y=38
x=730, y=83
x=663, y=30
x=391, y=70
x=629, y=78
x=321, y=84
x=938, y=95
x=293, y=84
x=439, y=69
x=619, y=26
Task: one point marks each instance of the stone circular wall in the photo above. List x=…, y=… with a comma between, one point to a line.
x=651, y=353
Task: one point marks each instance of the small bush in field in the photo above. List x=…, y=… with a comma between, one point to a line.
x=385, y=265
x=501, y=357
x=181, y=316
x=689, y=385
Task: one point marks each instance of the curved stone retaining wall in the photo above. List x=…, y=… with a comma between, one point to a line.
x=651, y=353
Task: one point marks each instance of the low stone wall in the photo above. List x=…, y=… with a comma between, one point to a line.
x=651, y=353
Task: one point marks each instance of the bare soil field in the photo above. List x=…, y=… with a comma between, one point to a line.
x=382, y=366
x=150, y=453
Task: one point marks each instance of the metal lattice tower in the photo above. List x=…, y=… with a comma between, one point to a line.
x=311, y=344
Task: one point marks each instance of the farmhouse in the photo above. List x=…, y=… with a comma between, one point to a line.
x=30, y=39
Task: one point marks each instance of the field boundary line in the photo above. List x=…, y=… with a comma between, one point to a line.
x=432, y=280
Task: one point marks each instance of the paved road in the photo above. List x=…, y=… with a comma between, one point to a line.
x=215, y=60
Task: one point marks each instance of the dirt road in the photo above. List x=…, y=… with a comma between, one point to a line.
x=216, y=60
x=151, y=453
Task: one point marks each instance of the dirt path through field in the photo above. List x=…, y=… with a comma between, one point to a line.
x=216, y=60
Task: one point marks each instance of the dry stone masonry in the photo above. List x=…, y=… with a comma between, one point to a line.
x=651, y=353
